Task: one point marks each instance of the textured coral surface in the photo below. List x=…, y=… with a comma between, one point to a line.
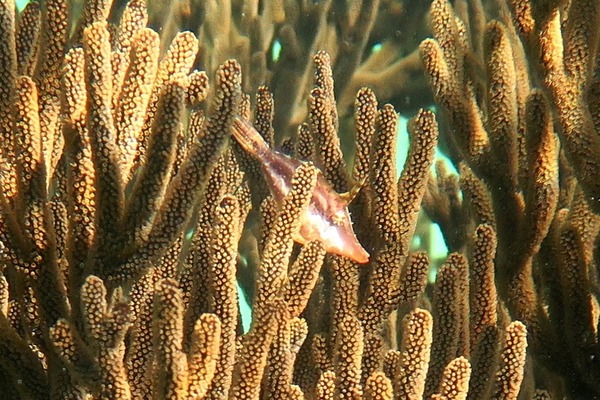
x=132, y=225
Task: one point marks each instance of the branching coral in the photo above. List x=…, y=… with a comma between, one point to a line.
x=501, y=125
x=131, y=227
x=293, y=32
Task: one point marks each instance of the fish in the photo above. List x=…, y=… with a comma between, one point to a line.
x=326, y=219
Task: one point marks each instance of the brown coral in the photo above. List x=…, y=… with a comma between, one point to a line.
x=131, y=229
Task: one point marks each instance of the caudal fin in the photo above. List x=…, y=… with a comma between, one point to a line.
x=250, y=140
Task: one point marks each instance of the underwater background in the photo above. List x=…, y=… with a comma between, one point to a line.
x=147, y=253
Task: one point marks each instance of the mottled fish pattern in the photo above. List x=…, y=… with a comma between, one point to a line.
x=327, y=218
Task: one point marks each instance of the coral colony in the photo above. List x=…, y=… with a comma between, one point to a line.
x=133, y=224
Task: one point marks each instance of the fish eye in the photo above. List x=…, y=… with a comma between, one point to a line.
x=338, y=218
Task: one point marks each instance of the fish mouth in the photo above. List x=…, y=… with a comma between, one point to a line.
x=359, y=255
x=355, y=252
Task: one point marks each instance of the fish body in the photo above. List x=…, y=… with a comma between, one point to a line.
x=327, y=218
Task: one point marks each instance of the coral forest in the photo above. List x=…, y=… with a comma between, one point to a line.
x=133, y=226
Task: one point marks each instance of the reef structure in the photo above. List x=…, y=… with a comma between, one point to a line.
x=131, y=224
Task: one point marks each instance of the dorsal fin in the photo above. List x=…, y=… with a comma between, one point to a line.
x=349, y=196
